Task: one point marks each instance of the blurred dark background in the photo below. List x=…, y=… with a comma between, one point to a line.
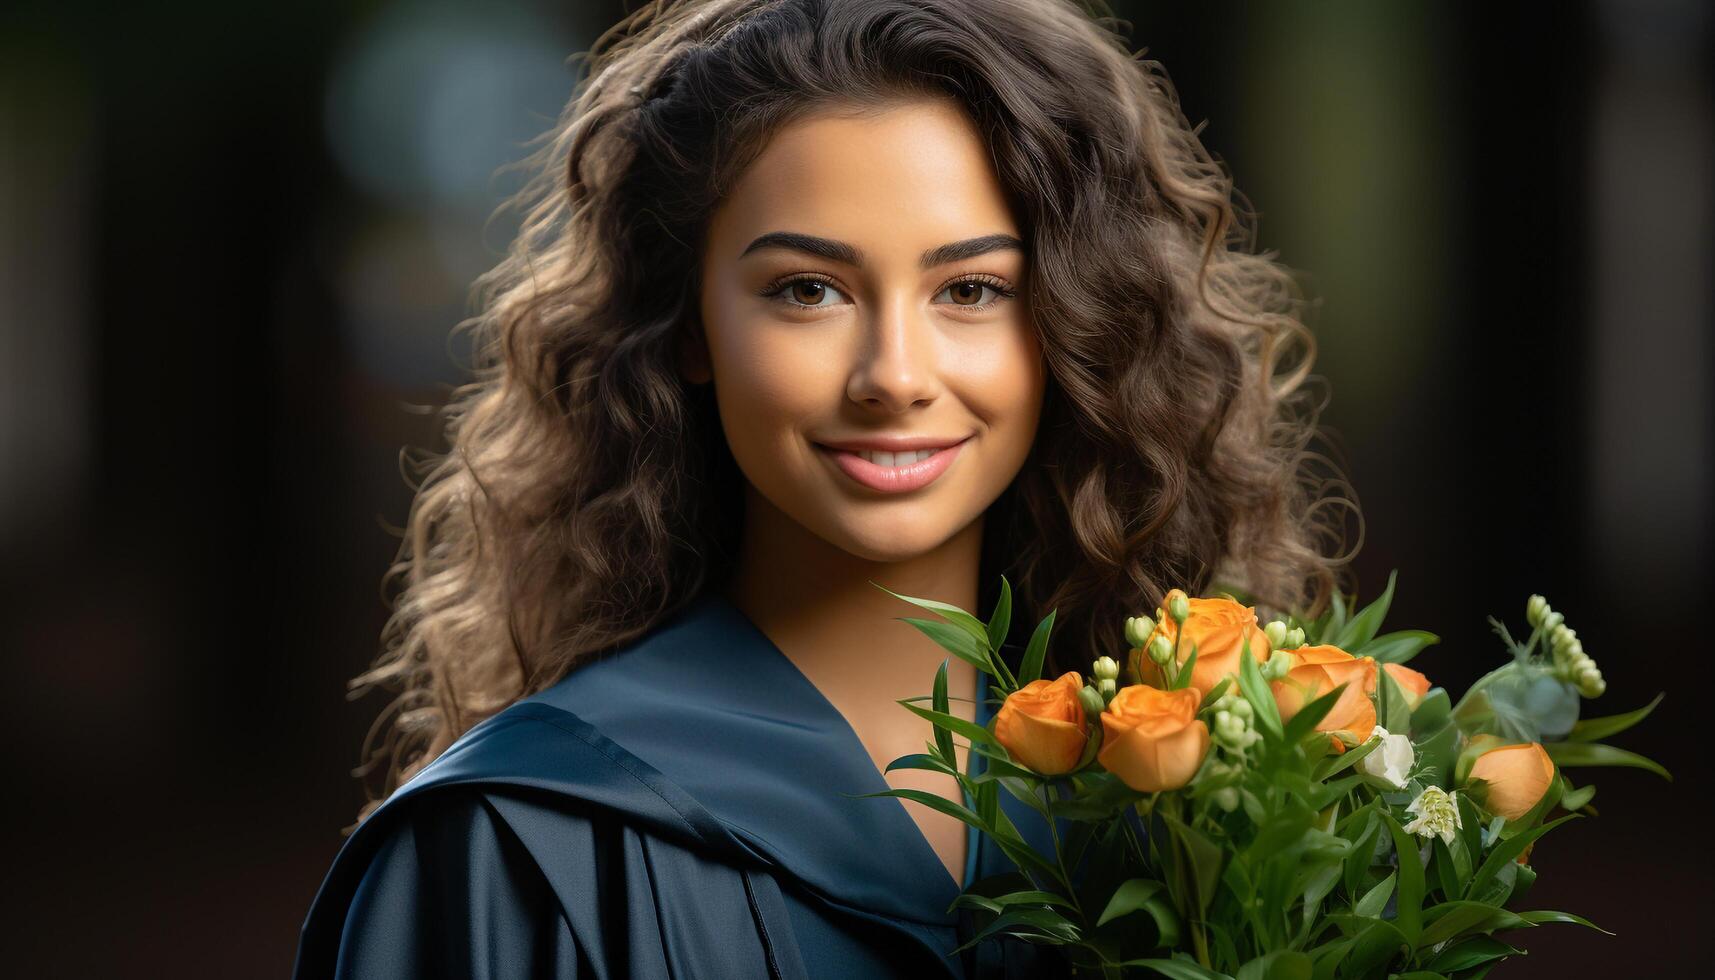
x=233, y=238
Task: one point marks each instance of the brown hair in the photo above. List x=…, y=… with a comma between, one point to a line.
x=588, y=492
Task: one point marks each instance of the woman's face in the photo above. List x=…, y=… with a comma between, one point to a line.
x=863, y=293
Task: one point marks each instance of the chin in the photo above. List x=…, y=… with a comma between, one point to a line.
x=891, y=541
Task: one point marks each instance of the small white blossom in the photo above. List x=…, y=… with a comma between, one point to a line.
x=1390, y=761
x=1437, y=814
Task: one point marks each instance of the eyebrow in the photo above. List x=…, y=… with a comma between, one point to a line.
x=837, y=251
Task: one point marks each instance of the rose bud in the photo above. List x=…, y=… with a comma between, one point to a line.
x=1517, y=775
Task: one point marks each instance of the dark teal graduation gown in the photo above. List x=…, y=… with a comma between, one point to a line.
x=673, y=809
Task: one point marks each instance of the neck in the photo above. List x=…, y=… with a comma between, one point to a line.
x=815, y=601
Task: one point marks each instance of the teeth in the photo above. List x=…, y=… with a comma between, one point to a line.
x=896, y=459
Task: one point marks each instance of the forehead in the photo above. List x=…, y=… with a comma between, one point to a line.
x=900, y=177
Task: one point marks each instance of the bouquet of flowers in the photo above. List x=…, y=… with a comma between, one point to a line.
x=1270, y=800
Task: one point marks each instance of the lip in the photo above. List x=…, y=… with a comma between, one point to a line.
x=893, y=444
x=893, y=479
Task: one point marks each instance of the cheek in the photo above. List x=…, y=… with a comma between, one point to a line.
x=1001, y=379
x=770, y=382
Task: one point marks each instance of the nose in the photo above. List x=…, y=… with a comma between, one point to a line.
x=895, y=367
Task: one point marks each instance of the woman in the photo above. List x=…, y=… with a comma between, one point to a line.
x=810, y=297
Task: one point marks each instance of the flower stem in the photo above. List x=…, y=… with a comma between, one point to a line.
x=1059, y=857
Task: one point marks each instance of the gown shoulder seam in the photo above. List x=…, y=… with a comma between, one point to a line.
x=620, y=759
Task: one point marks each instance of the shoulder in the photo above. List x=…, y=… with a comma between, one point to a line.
x=499, y=881
x=440, y=885
x=512, y=830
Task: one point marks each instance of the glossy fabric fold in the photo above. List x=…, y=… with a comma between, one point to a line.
x=672, y=809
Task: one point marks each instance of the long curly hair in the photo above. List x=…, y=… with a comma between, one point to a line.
x=588, y=492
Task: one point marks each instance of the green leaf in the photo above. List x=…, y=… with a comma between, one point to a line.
x=1446, y=872
x=1215, y=692
x=1595, y=729
x=1205, y=856
x=1375, y=947
x=1544, y=915
x=1471, y=952
x=1397, y=647
x=1035, y=897
x=998, y=903
x=1023, y=920
x=1317, y=887
x=1408, y=915
x=1397, y=717
x=1037, y=650
x=943, y=737
x=1328, y=957
x=1597, y=754
x=1432, y=712
x=1440, y=752
x=1305, y=721
x=1509, y=849
x=1075, y=808
x=1497, y=890
x=1176, y=969
x=1329, y=766
x=921, y=760
x=1375, y=899
x=1025, y=857
x=1324, y=795
x=1335, y=618
x=1577, y=799
x=970, y=625
x=1129, y=898
x=1024, y=790
x=1168, y=929
x=971, y=900
x=1182, y=679
x=1470, y=828
x=1523, y=877
x=957, y=642
x=1363, y=851
x=1454, y=919
x=1000, y=621
x=1362, y=627
x=996, y=769
x=934, y=801
x=1256, y=691
x=987, y=803
x=1282, y=964
x=969, y=729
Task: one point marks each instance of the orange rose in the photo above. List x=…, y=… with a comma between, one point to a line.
x=1518, y=776
x=1043, y=725
x=1218, y=628
x=1411, y=682
x=1316, y=671
x=1152, y=739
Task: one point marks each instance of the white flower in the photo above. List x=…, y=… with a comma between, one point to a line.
x=1390, y=761
x=1437, y=813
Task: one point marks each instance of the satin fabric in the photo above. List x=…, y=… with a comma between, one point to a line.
x=681, y=807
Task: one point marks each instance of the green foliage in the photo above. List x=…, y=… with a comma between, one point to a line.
x=1592, y=729
x=1037, y=650
x=1288, y=855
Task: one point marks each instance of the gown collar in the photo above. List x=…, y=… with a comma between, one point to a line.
x=708, y=700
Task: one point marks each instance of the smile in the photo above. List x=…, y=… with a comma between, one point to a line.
x=893, y=472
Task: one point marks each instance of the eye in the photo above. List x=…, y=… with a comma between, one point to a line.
x=806, y=291
x=969, y=291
